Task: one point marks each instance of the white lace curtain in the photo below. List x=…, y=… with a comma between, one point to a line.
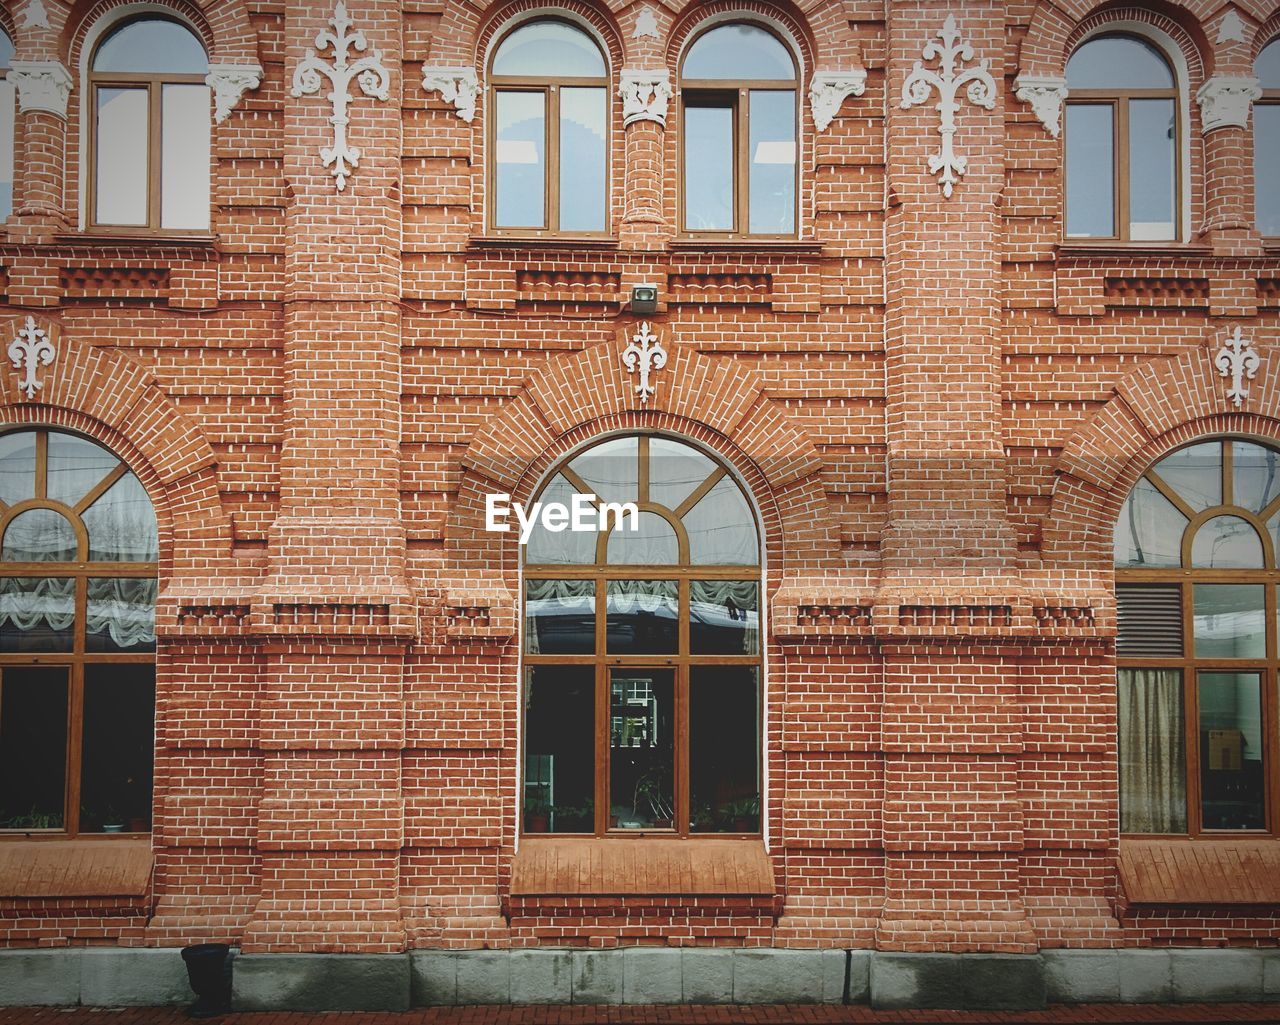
x=123, y=608
x=1153, y=759
x=553, y=599
x=728, y=604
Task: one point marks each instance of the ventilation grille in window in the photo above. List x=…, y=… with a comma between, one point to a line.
x=1150, y=621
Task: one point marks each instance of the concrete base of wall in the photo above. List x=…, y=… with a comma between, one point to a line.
x=132, y=976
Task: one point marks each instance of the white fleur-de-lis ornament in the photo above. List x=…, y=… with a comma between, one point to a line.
x=30, y=350
x=643, y=355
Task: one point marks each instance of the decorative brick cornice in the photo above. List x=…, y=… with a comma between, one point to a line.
x=41, y=85
x=829, y=89
x=1045, y=94
x=1225, y=101
x=229, y=82
x=645, y=93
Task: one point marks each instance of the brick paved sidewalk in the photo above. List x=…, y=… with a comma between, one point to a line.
x=612, y=1014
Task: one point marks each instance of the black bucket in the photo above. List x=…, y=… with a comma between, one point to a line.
x=210, y=980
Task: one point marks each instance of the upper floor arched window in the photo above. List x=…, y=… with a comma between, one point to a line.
x=549, y=130
x=1266, y=140
x=78, y=552
x=739, y=133
x=1123, y=142
x=150, y=123
x=7, y=135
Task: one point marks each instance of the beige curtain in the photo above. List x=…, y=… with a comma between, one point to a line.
x=1153, y=757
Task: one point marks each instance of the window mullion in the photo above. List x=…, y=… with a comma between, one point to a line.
x=551, y=146
x=1121, y=170
x=75, y=741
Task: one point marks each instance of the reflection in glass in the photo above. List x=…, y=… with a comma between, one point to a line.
x=708, y=168
x=152, y=46
x=120, y=614
x=641, y=617
x=771, y=186
x=582, y=159
x=641, y=749
x=562, y=547
x=559, y=745
x=1255, y=473
x=1232, y=788
x=653, y=543
x=184, y=144
x=1090, y=171
x=33, y=746
x=75, y=466
x=560, y=617
x=1266, y=158
x=37, y=613
x=740, y=51
x=1118, y=62
x=39, y=535
x=1153, y=758
x=17, y=466
x=1149, y=529
x=1267, y=66
x=724, y=617
x=122, y=524
x=1195, y=474
x=521, y=168
x=121, y=150
x=119, y=740
x=722, y=529
x=1229, y=621
x=1152, y=174
x=548, y=49
x=675, y=471
x=1226, y=542
x=724, y=744
x=610, y=469
x=7, y=142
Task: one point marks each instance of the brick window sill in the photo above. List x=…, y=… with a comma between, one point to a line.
x=803, y=247
x=1131, y=250
x=96, y=867
x=126, y=240
x=1206, y=870
x=553, y=242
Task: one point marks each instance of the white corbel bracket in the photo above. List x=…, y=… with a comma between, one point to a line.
x=1045, y=94
x=644, y=95
x=229, y=82
x=829, y=89
x=41, y=85
x=1225, y=101
x=456, y=85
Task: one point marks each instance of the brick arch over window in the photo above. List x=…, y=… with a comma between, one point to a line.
x=1161, y=405
x=223, y=26
x=465, y=32
x=696, y=16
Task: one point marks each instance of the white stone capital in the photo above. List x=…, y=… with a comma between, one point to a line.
x=1225, y=101
x=644, y=92
x=1045, y=93
x=455, y=84
x=41, y=85
x=829, y=89
x=229, y=82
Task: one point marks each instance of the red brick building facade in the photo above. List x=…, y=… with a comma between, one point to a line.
x=935, y=393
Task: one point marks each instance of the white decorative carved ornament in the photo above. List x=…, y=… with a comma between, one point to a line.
x=41, y=85
x=456, y=85
x=1231, y=27
x=829, y=89
x=1045, y=93
x=644, y=95
x=31, y=349
x=643, y=355
x=1237, y=360
x=1225, y=101
x=978, y=86
x=34, y=15
x=369, y=71
x=229, y=82
x=646, y=24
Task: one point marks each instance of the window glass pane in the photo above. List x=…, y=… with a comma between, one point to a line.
x=610, y=469
x=1090, y=171
x=549, y=49
x=1149, y=529
x=560, y=749
x=708, y=168
x=653, y=543
x=7, y=143
x=582, y=159
x=33, y=747
x=771, y=189
x=37, y=613
x=121, y=614
x=741, y=51
x=722, y=530
x=1231, y=780
x=184, y=153
x=122, y=524
x=521, y=175
x=1226, y=542
x=724, y=617
x=675, y=471
x=119, y=742
x=1118, y=62
x=17, y=466
x=641, y=617
x=154, y=45
x=1229, y=621
x=6, y=50
x=641, y=749
x=562, y=547
x=1152, y=174
x=1153, y=758
x=75, y=466
x=560, y=617
x=1195, y=474
x=1267, y=66
x=1255, y=475
x=724, y=746
x=39, y=535
x=1266, y=158
x=122, y=141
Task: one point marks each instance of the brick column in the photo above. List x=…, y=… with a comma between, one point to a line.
x=647, y=108
x=40, y=137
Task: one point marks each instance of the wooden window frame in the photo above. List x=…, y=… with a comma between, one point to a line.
x=681, y=663
x=550, y=88
x=1269, y=97
x=1189, y=666
x=154, y=85
x=75, y=660
x=736, y=95
x=1119, y=100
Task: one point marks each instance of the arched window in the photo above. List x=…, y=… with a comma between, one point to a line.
x=549, y=131
x=1196, y=590
x=149, y=128
x=77, y=637
x=1122, y=142
x=1266, y=140
x=738, y=111
x=642, y=697
x=7, y=134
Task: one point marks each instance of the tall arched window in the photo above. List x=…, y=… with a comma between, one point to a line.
x=150, y=126
x=7, y=134
x=1266, y=140
x=549, y=130
x=77, y=637
x=642, y=696
x=738, y=104
x=1122, y=142
x=1196, y=590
